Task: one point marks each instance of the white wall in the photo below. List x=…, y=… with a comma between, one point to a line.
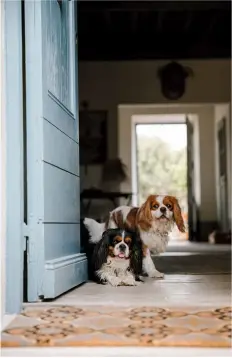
x=106, y=85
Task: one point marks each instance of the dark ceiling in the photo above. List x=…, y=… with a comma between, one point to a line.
x=134, y=30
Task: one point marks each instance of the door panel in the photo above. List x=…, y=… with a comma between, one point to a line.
x=57, y=272
x=63, y=123
x=61, y=151
x=55, y=263
x=57, y=28
x=57, y=244
x=61, y=195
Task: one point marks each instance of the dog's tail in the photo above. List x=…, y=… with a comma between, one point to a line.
x=95, y=229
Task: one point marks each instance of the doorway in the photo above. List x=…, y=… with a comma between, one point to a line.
x=162, y=163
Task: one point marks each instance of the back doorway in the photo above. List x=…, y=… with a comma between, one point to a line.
x=162, y=164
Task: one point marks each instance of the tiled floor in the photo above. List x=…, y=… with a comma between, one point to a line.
x=174, y=290
x=177, y=311
x=184, y=289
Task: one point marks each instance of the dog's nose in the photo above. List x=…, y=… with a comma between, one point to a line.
x=163, y=209
x=122, y=247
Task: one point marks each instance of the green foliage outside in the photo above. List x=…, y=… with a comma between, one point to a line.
x=161, y=170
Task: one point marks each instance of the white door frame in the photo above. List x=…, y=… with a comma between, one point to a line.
x=12, y=150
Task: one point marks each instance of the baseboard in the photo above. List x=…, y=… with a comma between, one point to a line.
x=64, y=273
x=64, y=261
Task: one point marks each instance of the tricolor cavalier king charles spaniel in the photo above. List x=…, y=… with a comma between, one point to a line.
x=117, y=258
x=152, y=222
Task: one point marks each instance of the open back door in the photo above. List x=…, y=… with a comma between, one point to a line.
x=192, y=207
x=55, y=263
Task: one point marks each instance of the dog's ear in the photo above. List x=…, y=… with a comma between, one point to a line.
x=136, y=255
x=178, y=215
x=144, y=214
x=146, y=207
x=101, y=251
x=117, y=217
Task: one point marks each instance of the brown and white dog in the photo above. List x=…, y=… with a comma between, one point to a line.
x=153, y=221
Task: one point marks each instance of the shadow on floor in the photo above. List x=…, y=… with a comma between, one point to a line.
x=194, y=263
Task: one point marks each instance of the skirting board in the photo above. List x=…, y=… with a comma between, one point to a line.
x=64, y=273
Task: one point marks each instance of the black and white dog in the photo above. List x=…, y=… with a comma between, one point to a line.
x=116, y=259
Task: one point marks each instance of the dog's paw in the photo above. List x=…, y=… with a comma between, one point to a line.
x=115, y=281
x=139, y=279
x=130, y=281
x=156, y=274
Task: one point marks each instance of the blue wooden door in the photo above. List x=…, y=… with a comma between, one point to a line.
x=54, y=263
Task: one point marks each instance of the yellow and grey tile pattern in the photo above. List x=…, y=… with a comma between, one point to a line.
x=64, y=325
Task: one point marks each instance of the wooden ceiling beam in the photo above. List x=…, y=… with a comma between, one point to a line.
x=107, y=18
x=213, y=22
x=130, y=43
x=201, y=52
x=188, y=21
x=134, y=21
x=208, y=30
x=159, y=25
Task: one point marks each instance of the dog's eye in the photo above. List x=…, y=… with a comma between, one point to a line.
x=155, y=206
x=127, y=240
x=169, y=206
